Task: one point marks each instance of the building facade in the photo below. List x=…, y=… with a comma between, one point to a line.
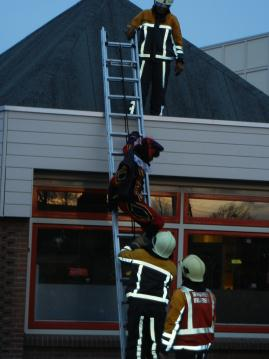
x=58, y=286
x=248, y=57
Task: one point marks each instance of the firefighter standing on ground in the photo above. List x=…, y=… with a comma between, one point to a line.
x=147, y=293
x=189, y=325
x=160, y=42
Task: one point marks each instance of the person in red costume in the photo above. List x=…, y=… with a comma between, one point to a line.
x=126, y=186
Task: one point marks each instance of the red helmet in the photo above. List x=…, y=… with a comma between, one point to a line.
x=148, y=149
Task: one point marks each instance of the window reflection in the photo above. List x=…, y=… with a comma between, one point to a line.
x=165, y=205
x=94, y=201
x=237, y=268
x=228, y=209
x=75, y=275
x=69, y=201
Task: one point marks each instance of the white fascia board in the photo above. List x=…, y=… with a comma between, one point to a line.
x=189, y=120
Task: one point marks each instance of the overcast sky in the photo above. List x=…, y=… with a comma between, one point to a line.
x=203, y=22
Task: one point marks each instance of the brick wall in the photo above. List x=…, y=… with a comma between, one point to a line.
x=71, y=347
x=13, y=262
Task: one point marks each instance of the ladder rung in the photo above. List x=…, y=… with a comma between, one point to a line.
x=119, y=44
x=129, y=115
x=122, y=97
x=126, y=235
x=114, y=62
x=118, y=134
x=117, y=153
x=127, y=79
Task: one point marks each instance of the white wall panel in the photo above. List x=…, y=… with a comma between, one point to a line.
x=2, y=161
x=248, y=57
x=258, y=52
x=193, y=148
x=48, y=140
x=235, y=57
x=12, y=173
x=14, y=210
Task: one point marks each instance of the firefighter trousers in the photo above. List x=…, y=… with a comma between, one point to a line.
x=145, y=325
x=149, y=220
x=156, y=73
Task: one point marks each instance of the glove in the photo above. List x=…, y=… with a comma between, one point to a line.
x=133, y=137
x=130, y=32
x=179, y=67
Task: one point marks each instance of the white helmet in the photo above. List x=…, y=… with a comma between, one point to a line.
x=164, y=2
x=163, y=244
x=193, y=268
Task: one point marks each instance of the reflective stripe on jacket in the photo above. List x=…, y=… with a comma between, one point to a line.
x=151, y=276
x=158, y=40
x=190, y=320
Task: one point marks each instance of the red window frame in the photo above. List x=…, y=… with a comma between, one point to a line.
x=176, y=195
x=65, y=214
x=222, y=327
x=224, y=221
x=70, y=325
x=91, y=215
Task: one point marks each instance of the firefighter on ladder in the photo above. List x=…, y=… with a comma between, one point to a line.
x=189, y=324
x=160, y=42
x=126, y=186
x=147, y=293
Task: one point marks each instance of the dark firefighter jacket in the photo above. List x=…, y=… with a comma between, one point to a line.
x=151, y=276
x=158, y=40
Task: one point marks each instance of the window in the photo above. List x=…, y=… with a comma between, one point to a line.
x=72, y=277
x=237, y=272
x=221, y=209
x=92, y=203
x=72, y=284
x=70, y=203
x=167, y=205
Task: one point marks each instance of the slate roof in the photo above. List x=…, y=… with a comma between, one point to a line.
x=59, y=66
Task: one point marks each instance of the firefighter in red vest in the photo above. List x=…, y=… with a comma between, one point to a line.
x=126, y=186
x=189, y=325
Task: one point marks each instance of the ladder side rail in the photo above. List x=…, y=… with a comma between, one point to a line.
x=115, y=229
x=107, y=103
x=137, y=86
x=138, y=93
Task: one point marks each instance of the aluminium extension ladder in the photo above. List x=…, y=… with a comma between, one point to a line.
x=121, y=80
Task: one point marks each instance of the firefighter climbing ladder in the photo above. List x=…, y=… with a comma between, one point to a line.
x=126, y=60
